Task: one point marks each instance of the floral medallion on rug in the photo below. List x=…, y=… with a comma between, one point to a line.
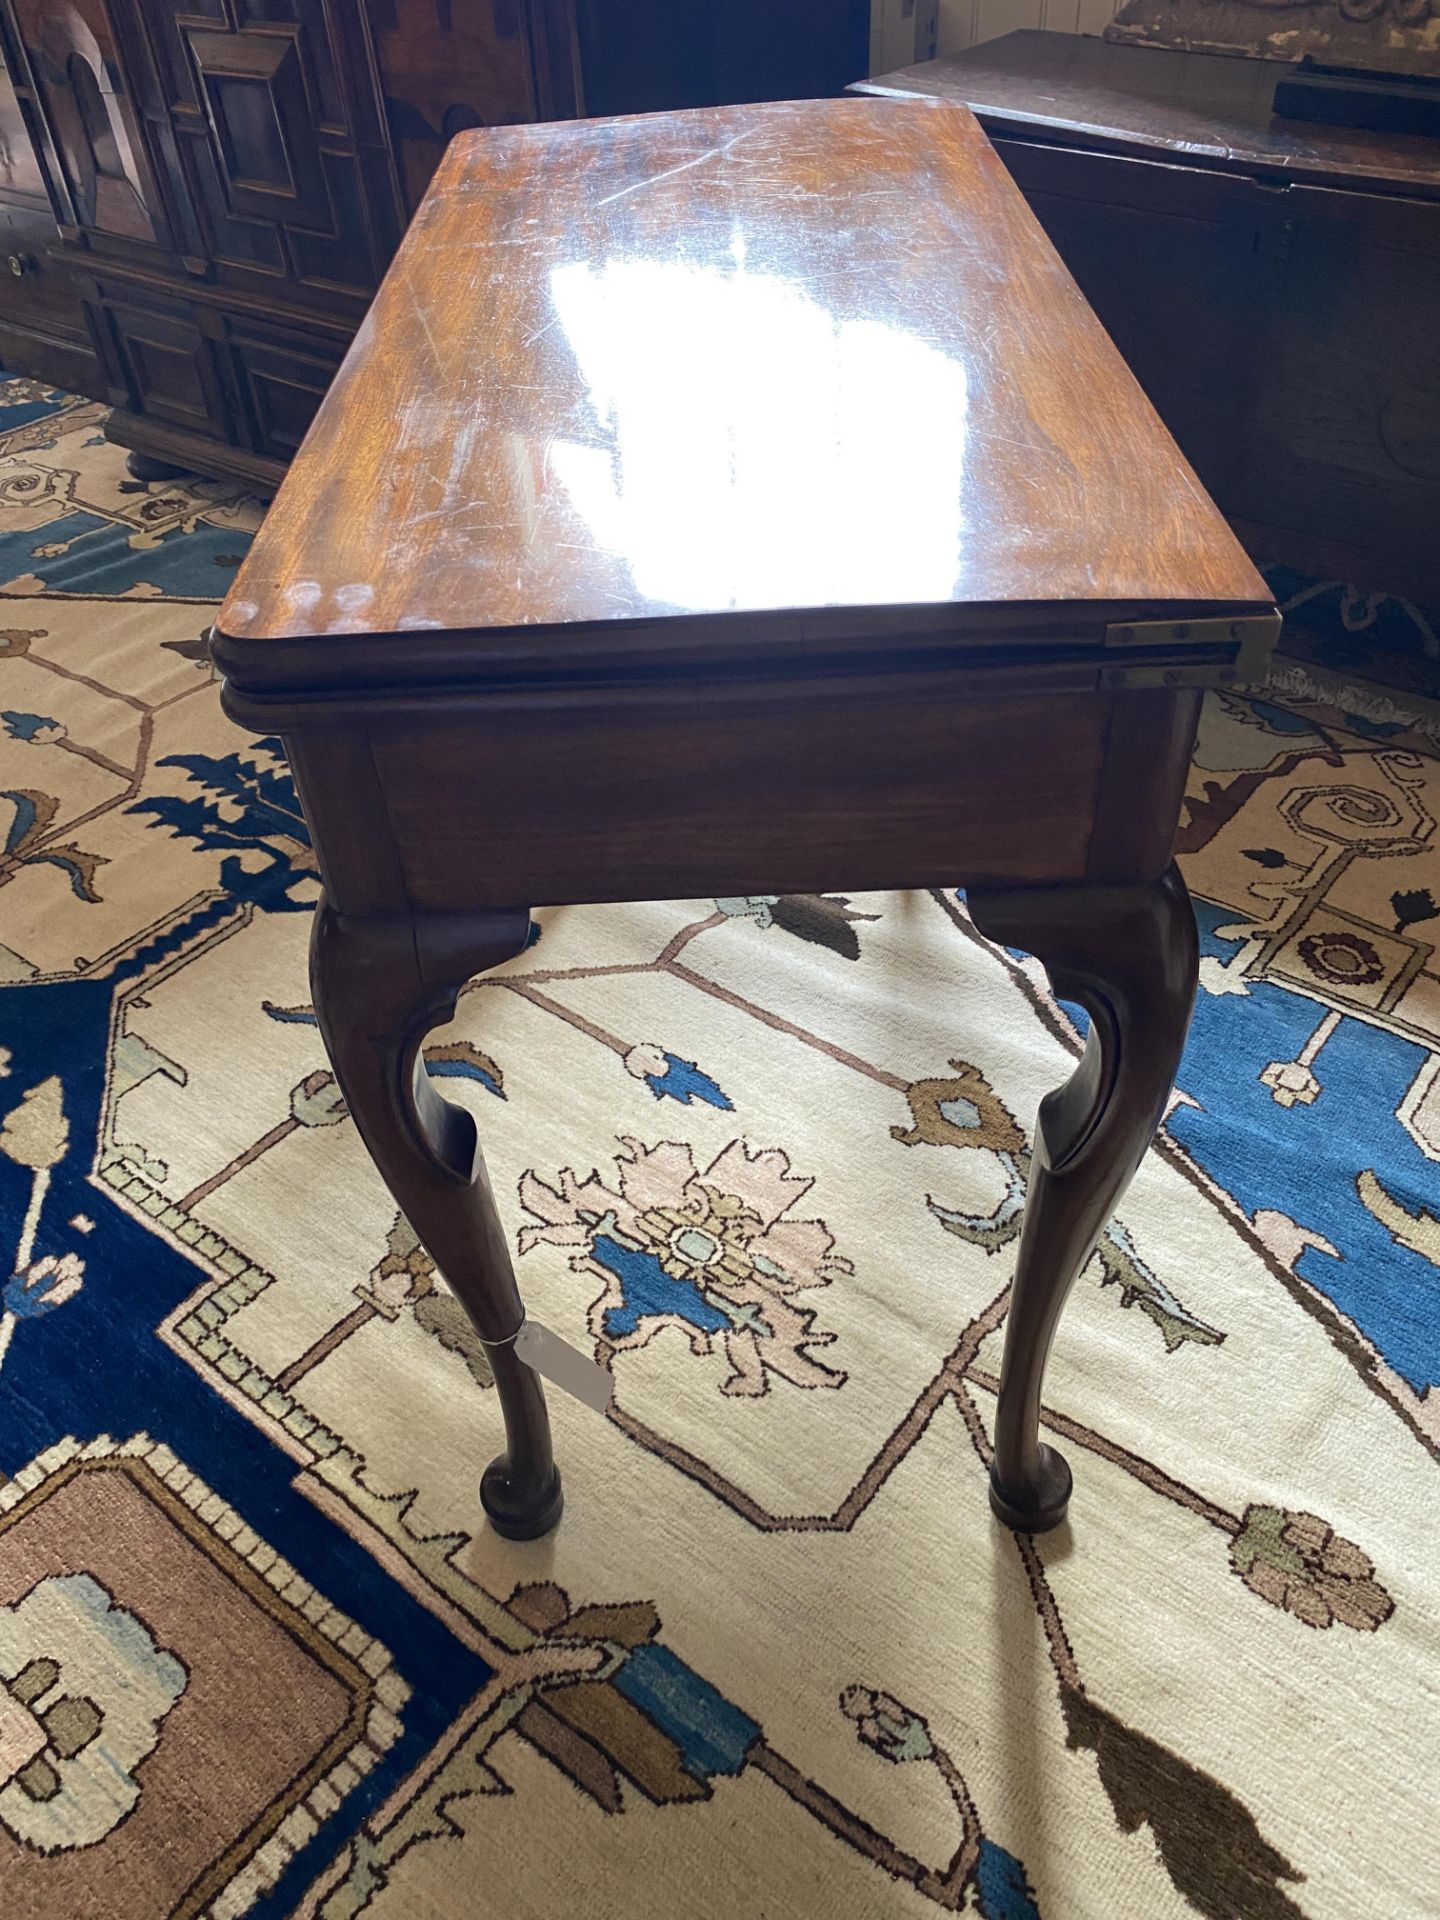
x=765, y=1159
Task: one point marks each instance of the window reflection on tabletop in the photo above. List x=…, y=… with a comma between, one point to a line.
x=768, y=482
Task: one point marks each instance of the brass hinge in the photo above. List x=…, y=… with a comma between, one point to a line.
x=1249, y=631
x=1215, y=673
x=1251, y=636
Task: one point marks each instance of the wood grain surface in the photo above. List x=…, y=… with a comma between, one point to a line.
x=855, y=784
x=694, y=366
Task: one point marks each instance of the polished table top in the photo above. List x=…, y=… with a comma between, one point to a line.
x=696, y=368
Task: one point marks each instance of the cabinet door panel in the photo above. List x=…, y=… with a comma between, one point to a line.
x=310, y=18
x=262, y=123
x=80, y=78
x=20, y=177
x=338, y=255
x=265, y=137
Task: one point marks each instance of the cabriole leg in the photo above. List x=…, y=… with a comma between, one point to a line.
x=1129, y=956
x=381, y=984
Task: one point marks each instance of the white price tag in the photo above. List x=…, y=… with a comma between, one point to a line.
x=564, y=1366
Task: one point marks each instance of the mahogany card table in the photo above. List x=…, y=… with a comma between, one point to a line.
x=728, y=501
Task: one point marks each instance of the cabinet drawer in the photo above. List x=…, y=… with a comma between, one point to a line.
x=282, y=380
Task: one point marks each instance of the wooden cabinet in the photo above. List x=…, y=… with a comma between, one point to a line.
x=198, y=198
x=639, y=54
x=1343, y=433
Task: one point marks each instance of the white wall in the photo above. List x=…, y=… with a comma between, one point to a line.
x=903, y=31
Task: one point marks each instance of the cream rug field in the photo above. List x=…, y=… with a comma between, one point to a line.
x=259, y=1653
